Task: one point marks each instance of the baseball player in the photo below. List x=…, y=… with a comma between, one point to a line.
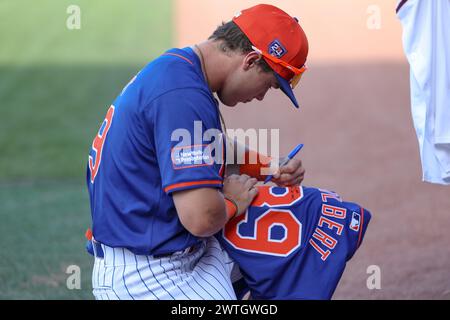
x=158, y=190
x=293, y=243
x=426, y=41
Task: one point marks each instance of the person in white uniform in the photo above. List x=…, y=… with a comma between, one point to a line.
x=426, y=41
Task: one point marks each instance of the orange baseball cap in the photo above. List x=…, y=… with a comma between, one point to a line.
x=281, y=41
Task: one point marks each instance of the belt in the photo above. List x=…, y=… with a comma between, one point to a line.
x=165, y=255
x=95, y=248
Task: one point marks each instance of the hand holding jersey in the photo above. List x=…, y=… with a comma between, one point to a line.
x=240, y=189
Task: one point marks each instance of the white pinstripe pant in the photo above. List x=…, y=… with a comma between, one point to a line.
x=204, y=274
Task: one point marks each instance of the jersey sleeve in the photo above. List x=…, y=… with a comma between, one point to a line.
x=188, y=142
x=355, y=220
x=338, y=235
x=358, y=220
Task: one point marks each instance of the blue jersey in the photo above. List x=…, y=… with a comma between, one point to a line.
x=293, y=243
x=151, y=144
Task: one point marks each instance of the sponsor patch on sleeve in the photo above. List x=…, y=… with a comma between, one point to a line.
x=192, y=156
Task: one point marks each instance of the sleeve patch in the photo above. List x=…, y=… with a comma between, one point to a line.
x=356, y=222
x=191, y=156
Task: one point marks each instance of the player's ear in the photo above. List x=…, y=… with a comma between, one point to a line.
x=250, y=60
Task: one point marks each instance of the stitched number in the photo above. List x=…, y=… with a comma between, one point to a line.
x=264, y=226
x=277, y=197
x=97, y=145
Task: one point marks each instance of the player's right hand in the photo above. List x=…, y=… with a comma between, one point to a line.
x=241, y=189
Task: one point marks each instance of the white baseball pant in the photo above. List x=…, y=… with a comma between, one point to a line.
x=204, y=274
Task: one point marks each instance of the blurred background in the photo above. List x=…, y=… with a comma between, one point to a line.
x=58, y=79
x=56, y=85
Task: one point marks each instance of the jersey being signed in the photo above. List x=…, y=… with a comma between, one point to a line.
x=293, y=243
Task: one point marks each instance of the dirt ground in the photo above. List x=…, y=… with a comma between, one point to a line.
x=355, y=122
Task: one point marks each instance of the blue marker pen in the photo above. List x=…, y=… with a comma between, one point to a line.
x=291, y=155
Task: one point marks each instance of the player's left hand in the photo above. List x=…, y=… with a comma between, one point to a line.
x=291, y=174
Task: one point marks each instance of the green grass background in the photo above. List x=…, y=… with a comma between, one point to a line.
x=56, y=85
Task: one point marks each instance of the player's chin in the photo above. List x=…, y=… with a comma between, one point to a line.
x=228, y=101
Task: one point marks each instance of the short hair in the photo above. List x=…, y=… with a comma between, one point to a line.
x=234, y=39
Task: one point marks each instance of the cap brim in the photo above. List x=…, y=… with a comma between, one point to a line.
x=285, y=86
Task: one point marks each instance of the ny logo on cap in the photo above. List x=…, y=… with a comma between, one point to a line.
x=276, y=49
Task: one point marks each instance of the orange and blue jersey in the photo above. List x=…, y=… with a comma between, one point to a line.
x=294, y=243
x=150, y=145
